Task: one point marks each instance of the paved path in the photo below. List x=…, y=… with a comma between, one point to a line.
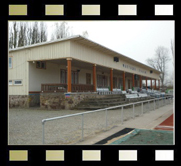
x=148, y=120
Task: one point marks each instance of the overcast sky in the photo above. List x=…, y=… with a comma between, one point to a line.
x=135, y=39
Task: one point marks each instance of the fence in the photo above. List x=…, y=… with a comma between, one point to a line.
x=157, y=102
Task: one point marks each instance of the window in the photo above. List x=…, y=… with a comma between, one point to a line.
x=10, y=62
x=10, y=82
x=74, y=77
x=114, y=82
x=102, y=81
x=17, y=82
x=41, y=65
x=63, y=76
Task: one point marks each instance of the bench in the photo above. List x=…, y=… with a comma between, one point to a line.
x=131, y=96
x=103, y=91
x=141, y=95
x=124, y=92
x=116, y=91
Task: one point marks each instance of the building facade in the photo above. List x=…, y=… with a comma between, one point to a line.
x=71, y=65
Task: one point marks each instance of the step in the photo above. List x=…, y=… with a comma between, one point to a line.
x=110, y=98
x=103, y=101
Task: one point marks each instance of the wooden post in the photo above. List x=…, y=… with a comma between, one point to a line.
x=155, y=84
x=94, y=77
x=111, y=79
x=133, y=81
x=69, y=74
x=146, y=83
x=140, y=81
x=124, y=87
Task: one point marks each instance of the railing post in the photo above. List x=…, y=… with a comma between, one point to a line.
x=142, y=107
x=158, y=102
x=82, y=127
x=154, y=104
x=122, y=115
x=149, y=106
x=106, y=118
x=133, y=110
x=43, y=132
x=170, y=100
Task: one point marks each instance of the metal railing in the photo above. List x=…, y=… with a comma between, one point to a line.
x=164, y=102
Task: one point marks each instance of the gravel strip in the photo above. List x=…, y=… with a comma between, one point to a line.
x=25, y=127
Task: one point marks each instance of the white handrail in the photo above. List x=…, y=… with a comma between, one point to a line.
x=104, y=109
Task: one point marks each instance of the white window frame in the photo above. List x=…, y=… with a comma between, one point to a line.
x=10, y=66
x=11, y=81
x=41, y=62
x=17, y=84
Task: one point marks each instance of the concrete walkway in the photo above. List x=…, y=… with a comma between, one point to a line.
x=148, y=120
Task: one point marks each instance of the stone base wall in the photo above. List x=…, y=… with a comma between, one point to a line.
x=24, y=101
x=34, y=100
x=18, y=101
x=63, y=101
x=50, y=100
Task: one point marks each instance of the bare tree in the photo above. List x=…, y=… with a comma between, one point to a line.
x=10, y=38
x=159, y=62
x=22, y=38
x=171, y=76
x=85, y=34
x=172, y=49
x=43, y=32
x=61, y=31
x=35, y=36
x=15, y=34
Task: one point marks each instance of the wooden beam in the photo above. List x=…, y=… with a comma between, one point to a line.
x=94, y=77
x=140, y=81
x=111, y=79
x=69, y=75
x=133, y=81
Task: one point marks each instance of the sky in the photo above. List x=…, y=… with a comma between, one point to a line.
x=135, y=39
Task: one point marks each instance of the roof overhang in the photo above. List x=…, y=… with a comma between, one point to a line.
x=84, y=41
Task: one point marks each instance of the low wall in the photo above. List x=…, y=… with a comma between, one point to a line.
x=18, y=101
x=50, y=100
x=24, y=101
x=34, y=99
x=63, y=101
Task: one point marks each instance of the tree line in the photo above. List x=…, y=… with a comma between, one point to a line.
x=28, y=33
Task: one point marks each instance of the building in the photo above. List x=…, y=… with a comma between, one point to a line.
x=71, y=65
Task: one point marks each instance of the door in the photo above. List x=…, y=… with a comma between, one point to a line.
x=88, y=78
x=129, y=86
x=114, y=82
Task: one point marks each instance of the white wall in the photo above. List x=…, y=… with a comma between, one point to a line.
x=94, y=56
x=19, y=71
x=39, y=76
x=82, y=76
